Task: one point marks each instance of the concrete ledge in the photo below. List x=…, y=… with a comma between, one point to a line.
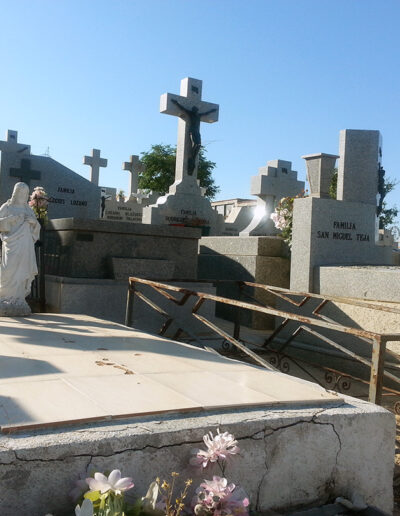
x=289, y=457
x=380, y=283
x=107, y=226
x=244, y=246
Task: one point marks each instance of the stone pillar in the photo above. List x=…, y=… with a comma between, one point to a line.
x=360, y=157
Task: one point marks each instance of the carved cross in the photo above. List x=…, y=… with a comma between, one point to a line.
x=135, y=167
x=25, y=173
x=95, y=162
x=11, y=144
x=187, y=106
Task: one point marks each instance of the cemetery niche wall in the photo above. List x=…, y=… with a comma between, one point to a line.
x=340, y=231
x=69, y=193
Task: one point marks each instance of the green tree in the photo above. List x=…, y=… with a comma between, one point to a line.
x=159, y=170
x=388, y=215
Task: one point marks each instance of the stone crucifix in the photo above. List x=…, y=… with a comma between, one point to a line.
x=191, y=110
x=135, y=167
x=95, y=162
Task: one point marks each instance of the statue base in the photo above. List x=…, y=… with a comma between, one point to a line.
x=12, y=307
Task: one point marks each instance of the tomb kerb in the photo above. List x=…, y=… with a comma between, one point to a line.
x=339, y=231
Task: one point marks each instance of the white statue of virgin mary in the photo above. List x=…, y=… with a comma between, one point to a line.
x=19, y=230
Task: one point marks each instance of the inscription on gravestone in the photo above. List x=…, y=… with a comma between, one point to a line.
x=340, y=235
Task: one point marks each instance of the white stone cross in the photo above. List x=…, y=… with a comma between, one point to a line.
x=135, y=166
x=191, y=110
x=11, y=144
x=95, y=163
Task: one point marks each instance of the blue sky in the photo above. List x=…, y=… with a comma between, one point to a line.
x=287, y=74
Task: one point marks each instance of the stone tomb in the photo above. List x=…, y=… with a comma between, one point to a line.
x=343, y=231
x=255, y=259
x=69, y=193
x=77, y=391
x=185, y=204
x=88, y=263
x=239, y=217
x=274, y=181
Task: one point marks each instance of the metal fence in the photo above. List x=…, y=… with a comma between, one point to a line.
x=312, y=325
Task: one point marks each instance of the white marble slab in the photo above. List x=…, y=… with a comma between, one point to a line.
x=60, y=369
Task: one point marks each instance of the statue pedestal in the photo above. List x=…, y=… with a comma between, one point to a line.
x=12, y=307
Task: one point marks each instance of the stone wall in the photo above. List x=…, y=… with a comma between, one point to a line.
x=255, y=259
x=289, y=457
x=78, y=248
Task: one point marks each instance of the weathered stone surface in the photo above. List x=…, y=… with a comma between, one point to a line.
x=82, y=248
x=142, y=268
x=289, y=457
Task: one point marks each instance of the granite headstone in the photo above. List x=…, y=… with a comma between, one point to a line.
x=70, y=195
x=274, y=181
x=343, y=231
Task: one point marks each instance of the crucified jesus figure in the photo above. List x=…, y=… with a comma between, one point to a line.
x=193, y=117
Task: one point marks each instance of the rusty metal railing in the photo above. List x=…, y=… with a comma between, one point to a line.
x=307, y=324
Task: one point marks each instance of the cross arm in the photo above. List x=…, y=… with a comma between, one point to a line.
x=209, y=112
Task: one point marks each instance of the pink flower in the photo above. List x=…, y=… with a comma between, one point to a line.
x=114, y=482
x=219, y=498
x=218, y=447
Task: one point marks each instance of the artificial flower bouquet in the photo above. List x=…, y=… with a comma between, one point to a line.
x=39, y=201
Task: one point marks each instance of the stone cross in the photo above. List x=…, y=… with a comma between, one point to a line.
x=135, y=166
x=25, y=173
x=11, y=144
x=95, y=162
x=191, y=110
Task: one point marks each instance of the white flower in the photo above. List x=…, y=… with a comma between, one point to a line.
x=114, y=482
x=85, y=510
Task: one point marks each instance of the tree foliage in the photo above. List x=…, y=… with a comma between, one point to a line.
x=388, y=215
x=159, y=170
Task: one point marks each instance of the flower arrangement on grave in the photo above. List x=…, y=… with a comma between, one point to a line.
x=216, y=497
x=39, y=201
x=283, y=217
x=121, y=196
